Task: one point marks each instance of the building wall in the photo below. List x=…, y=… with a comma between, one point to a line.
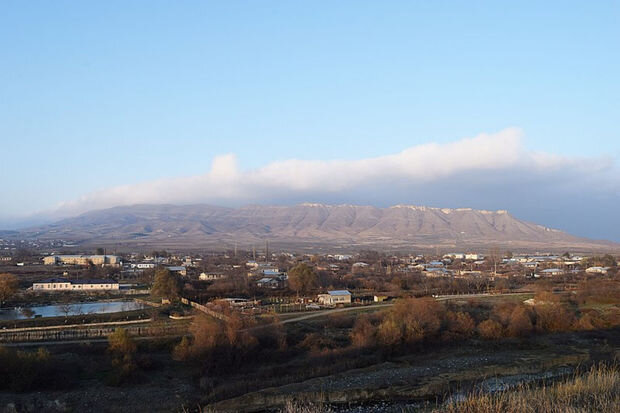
x=68, y=286
x=82, y=259
x=49, y=260
x=328, y=299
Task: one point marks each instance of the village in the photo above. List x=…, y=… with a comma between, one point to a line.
x=264, y=281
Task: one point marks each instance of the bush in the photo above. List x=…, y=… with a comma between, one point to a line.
x=490, y=330
x=459, y=325
x=410, y=321
x=553, y=317
x=520, y=323
x=363, y=333
x=27, y=371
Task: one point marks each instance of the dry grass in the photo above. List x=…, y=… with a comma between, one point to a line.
x=596, y=391
x=305, y=407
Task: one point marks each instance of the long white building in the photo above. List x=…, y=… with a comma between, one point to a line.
x=82, y=260
x=62, y=284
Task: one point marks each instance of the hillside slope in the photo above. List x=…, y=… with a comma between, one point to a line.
x=312, y=224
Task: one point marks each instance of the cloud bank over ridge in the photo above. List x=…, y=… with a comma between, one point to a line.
x=488, y=171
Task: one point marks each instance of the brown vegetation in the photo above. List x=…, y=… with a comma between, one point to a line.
x=8, y=286
x=416, y=320
x=33, y=370
x=596, y=391
x=122, y=348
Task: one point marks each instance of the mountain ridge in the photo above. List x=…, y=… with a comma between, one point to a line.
x=308, y=223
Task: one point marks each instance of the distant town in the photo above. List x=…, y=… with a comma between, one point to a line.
x=263, y=273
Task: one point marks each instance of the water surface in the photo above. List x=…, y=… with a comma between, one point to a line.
x=59, y=310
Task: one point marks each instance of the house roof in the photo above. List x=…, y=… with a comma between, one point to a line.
x=52, y=280
x=267, y=280
x=339, y=292
x=64, y=280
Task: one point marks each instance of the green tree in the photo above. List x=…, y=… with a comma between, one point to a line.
x=165, y=285
x=8, y=286
x=302, y=278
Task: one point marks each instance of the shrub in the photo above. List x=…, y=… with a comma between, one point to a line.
x=520, y=323
x=411, y=320
x=553, y=317
x=363, y=333
x=459, y=325
x=490, y=330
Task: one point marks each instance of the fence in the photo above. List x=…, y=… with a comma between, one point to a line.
x=204, y=309
x=88, y=333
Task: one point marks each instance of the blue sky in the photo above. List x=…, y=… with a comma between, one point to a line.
x=95, y=95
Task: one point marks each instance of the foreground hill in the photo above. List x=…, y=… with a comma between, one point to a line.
x=347, y=226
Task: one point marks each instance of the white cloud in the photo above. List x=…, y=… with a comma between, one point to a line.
x=490, y=157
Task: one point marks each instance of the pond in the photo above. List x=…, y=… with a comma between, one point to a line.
x=62, y=310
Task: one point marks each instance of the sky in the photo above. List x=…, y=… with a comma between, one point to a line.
x=491, y=105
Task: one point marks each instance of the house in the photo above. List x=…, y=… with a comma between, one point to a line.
x=341, y=257
x=549, y=272
x=437, y=272
x=335, y=297
x=273, y=281
x=434, y=264
x=143, y=265
x=178, y=269
x=597, y=270
x=473, y=256
x=210, y=276
x=269, y=282
x=272, y=272
x=62, y=284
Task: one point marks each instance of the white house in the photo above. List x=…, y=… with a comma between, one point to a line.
x=143, y=265
x=182, y=271
x=597, y=270
x=473, y=256
x=341, y=257
x=210, y=276
x=335, y=297
x=549, y=272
